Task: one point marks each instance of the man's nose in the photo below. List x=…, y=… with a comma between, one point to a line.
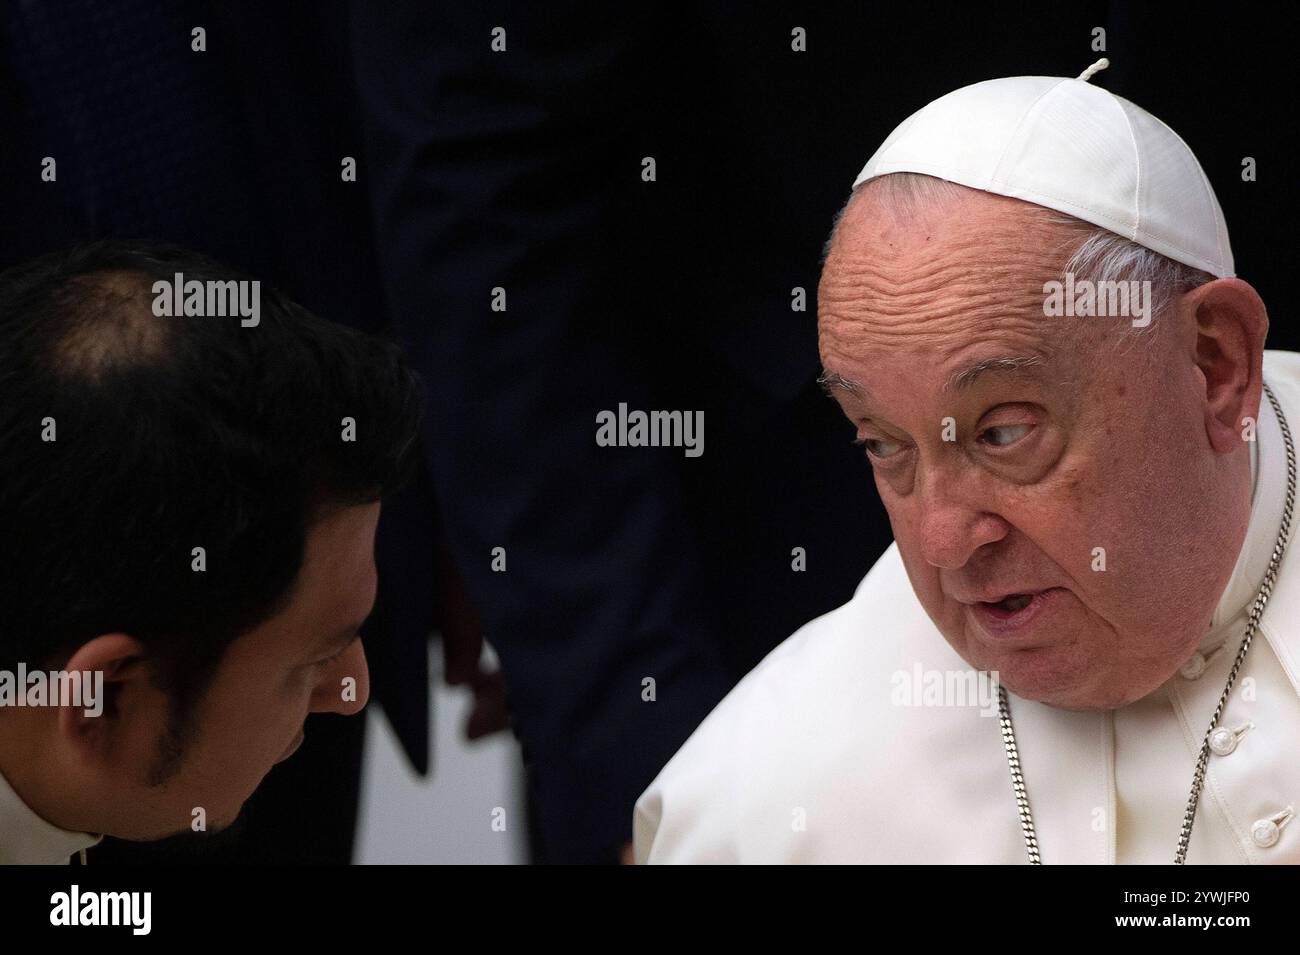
x=953, y=523
x=344, y=687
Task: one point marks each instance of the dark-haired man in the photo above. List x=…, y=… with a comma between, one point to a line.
x=189, y=507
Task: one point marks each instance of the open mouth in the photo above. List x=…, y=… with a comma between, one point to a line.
x=1011, y=603
x=1014, y=613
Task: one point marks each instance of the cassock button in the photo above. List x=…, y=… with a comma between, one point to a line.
x=1266, y=832
x=1223, y=740
x=1193, y=668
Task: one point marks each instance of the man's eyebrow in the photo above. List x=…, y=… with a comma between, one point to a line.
x=829, y=380
x=965, y=377
x=961, y=379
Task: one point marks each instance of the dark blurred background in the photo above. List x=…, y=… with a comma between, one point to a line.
x=521, y=169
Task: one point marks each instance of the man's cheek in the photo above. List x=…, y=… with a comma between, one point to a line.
x=900, y=521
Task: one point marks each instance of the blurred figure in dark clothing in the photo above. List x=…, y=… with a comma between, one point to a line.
x=520, y=171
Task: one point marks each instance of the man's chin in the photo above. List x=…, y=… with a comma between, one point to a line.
x=1066, y=689
x=1055, y=673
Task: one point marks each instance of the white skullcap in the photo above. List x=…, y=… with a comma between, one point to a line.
x=1073, y=147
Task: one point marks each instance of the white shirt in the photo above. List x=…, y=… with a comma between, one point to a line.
x=27, y=839
x=809, y=760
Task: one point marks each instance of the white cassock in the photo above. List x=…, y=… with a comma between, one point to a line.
x=809, y=760
x=27, y=839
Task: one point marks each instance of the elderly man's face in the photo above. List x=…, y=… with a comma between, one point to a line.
x=1019, y=477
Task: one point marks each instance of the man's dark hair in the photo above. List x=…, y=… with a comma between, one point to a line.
x=172, y=433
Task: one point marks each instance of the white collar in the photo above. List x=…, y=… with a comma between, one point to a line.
x=27, y=839
x=1268, y=499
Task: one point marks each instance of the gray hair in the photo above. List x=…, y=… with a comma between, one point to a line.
x=1101, y=256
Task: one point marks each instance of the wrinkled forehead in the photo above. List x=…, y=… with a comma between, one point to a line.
x=934, y=282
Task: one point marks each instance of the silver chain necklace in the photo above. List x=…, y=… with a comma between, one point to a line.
x=1202, y=761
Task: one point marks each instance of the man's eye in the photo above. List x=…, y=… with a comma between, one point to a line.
x=1002, y=435
x=879, y=448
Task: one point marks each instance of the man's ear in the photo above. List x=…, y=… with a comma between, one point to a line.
x=1231, y=324
x=125, y=694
